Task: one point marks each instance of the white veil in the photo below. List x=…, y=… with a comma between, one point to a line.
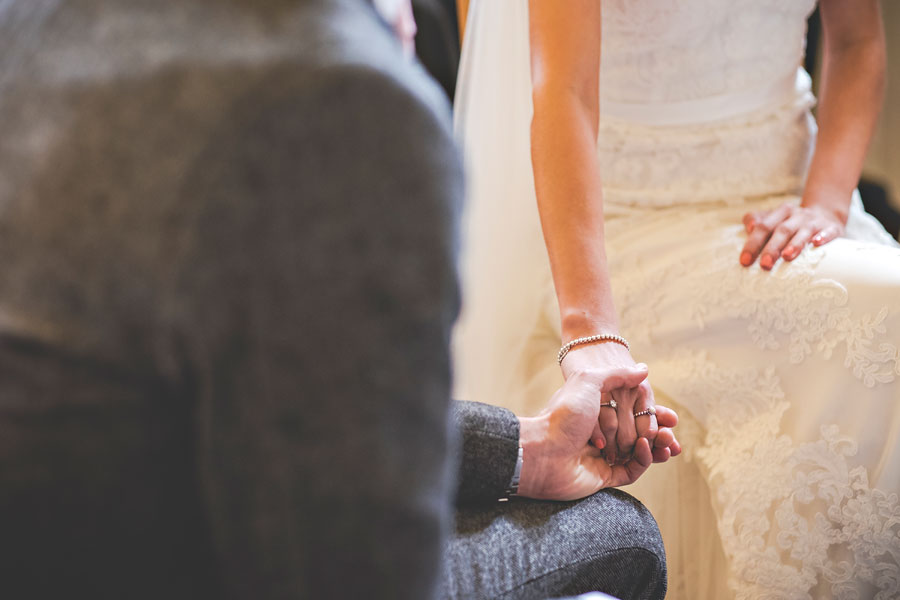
x=504, y=264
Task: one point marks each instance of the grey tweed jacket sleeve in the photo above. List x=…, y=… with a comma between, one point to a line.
x=489, y=445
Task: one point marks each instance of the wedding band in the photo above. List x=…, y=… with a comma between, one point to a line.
x=611, y=404
x=647, y=411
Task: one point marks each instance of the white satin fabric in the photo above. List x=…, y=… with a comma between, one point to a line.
x=788, y=383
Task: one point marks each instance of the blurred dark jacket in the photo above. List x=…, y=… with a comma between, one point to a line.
x=227, y=238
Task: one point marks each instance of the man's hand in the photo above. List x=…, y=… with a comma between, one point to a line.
x=560, y=461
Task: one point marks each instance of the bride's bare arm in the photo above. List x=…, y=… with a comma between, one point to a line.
x=565, y=66
x=851, y=95
x=850, y=99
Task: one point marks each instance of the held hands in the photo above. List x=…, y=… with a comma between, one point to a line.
x=786, y=230
x=618, y=429
x=560, y=460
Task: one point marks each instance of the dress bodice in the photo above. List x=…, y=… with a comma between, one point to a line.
x=703, y=100
x=674, y=51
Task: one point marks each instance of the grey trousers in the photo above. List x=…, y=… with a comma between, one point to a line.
x=525, y=549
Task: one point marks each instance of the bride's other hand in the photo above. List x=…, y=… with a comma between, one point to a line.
x=850, y=98
x=786, y=230
x=618, y=429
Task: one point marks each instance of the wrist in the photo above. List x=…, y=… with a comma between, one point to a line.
x=533, y=433
x=832, y=198
x=576, y=323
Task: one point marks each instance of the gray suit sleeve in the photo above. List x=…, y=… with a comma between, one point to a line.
x=489, y=447
x=320, y=291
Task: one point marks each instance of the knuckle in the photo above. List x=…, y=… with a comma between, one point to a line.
x=784, y=228
x=580, y=373
x=592, y=374
x=758, y=237
x=587, y=376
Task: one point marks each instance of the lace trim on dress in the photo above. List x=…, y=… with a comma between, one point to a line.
x=761, y=155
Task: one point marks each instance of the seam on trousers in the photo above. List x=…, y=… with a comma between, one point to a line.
x=578, y=562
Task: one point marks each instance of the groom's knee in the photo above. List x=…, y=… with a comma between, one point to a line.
x=613, y=545
x=608, y=542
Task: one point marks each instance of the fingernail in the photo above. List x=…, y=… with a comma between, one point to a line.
x=599, y=443
x=789, y=252
x=766, y=261
x=746, y=259
x=817, y=240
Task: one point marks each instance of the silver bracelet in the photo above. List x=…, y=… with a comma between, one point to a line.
x=601, y=337
x=513, y=488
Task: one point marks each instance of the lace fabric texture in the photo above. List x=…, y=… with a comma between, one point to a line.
x=788, y=383
x=668, y=52
x=651, y=167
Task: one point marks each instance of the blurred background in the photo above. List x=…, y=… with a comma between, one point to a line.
x=438, y=45
x=883, y=164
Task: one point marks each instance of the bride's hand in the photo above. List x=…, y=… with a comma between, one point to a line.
x=618, y=429
x=786, y=230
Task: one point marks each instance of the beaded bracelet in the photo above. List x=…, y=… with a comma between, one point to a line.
x=602, y=337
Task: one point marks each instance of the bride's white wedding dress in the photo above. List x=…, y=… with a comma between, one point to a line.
x=788, y=383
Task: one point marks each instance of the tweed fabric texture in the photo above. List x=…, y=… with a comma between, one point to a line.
x=489, y=449
x=524, y=549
